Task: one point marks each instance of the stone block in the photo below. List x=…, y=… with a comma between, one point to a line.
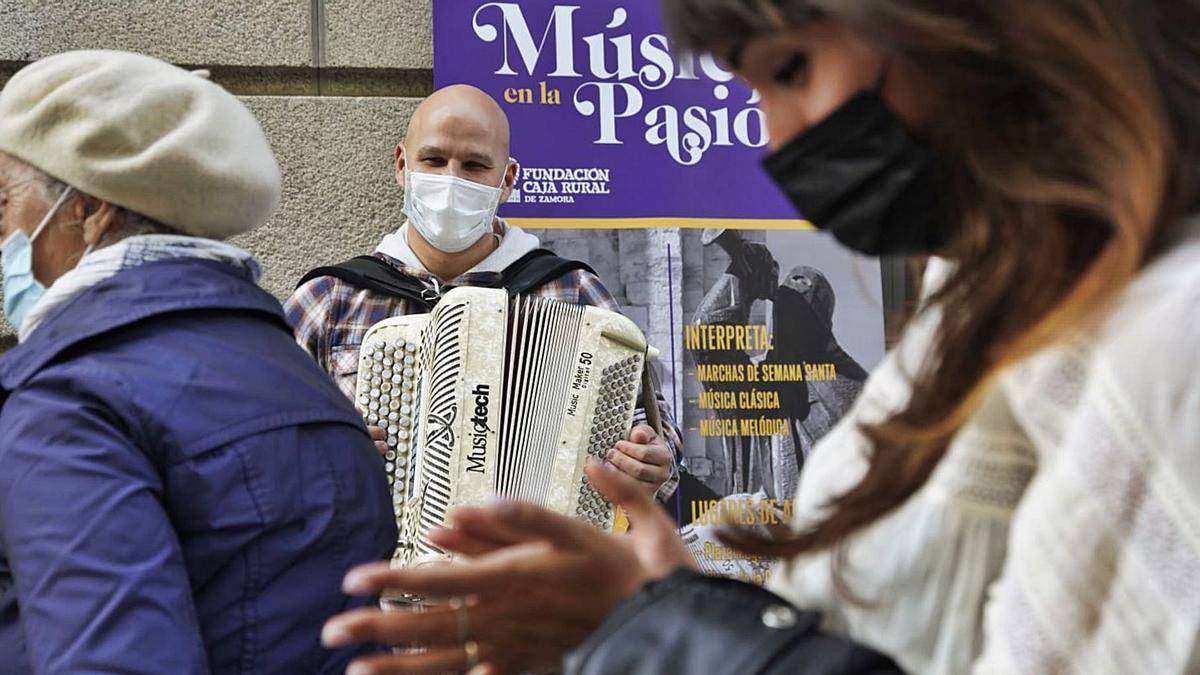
x=602, y=255
x=609, y=272
x=574, y=248
x=339, y=190
x=635, y=271
x=638, y=315
x=374, y=34
x=660, y=335
x=603, y=246
x=639, y=292
x=631, y=243
x=258, y=33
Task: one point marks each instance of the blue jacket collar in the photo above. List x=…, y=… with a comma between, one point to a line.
x=131, y=296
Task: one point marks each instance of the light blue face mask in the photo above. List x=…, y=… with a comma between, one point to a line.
x=22, y=290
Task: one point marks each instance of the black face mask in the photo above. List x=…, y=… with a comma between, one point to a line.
x=859, y=174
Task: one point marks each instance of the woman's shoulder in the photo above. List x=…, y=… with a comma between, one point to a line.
x=1149, y=343
x=1155, y=323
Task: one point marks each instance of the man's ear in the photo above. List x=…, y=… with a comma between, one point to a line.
x=96, y=224
x=511, y=173
x=400, y=164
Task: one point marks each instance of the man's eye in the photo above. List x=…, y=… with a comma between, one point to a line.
x=792, y=70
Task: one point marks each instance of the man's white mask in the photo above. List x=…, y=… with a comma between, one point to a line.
x=450, y=213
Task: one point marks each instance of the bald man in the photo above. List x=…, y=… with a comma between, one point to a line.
x=455, y=168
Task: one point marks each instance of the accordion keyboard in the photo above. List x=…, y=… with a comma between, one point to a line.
x=389, y=397
x=618, y=389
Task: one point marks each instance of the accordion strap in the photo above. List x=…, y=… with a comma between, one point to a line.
x=374, y=274
x=533, y=270
x=536, y=269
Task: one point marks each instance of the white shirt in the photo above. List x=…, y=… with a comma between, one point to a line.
x=1061, y=531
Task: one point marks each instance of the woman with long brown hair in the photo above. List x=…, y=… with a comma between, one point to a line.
x=1018, y=489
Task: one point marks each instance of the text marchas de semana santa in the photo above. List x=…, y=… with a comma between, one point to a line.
x=745, y=338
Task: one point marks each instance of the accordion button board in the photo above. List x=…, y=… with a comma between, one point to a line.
x=493, y=396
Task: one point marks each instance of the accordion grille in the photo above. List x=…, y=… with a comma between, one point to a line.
x=542, y=337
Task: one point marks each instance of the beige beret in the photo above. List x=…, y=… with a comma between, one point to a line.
x=144, y=135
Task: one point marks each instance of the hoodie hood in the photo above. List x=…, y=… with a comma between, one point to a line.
x=514, y=243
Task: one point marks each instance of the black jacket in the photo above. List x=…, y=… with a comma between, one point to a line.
x=691, y=624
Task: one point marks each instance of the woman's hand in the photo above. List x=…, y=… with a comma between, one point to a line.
x=645, y=457
x=535, y=584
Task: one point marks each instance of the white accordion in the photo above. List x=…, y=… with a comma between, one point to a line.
x=490, y=396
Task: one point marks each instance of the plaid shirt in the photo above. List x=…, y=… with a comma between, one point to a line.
x=331, y=316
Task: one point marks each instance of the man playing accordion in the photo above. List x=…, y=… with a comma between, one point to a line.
x=455, y=169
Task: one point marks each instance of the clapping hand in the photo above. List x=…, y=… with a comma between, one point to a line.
x=530, y=585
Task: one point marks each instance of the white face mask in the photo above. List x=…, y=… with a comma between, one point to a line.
x=450, y=213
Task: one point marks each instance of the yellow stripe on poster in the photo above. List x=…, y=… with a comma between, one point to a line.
x=648, y=223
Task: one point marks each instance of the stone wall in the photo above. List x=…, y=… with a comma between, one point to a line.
x=333, y=82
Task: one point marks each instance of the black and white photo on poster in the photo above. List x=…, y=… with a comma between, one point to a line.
x=812, y=322
x=765, y=339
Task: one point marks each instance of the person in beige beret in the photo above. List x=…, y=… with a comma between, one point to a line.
x=181, y=487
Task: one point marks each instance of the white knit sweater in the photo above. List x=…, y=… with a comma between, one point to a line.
x=1061, y=533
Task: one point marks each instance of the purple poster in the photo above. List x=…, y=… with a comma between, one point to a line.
x=647, y=167
x=606, y=123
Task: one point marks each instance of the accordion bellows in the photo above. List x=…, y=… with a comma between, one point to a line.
x=490, y=396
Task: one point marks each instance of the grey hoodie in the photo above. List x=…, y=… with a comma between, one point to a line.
x=514, y=243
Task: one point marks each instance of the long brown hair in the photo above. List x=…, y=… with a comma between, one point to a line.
x=1074, y=141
